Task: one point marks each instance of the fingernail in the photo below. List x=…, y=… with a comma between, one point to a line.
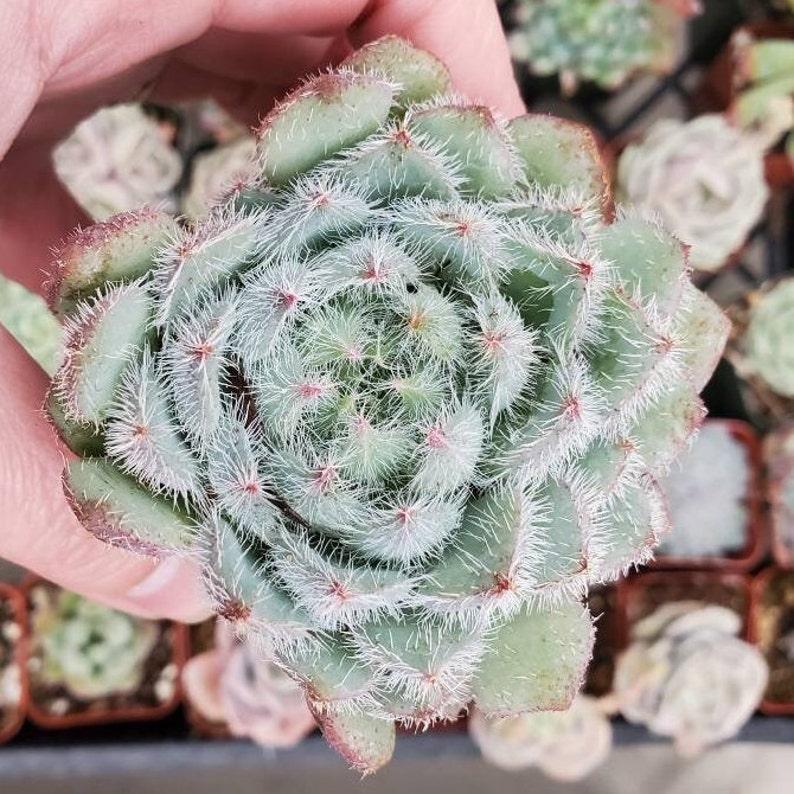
x=174, y=590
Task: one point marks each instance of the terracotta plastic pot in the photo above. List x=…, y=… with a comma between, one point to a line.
x=611, y=156
x=746, y=558
x=11, y=725
x=764, y=630
x=640, y=594
x=172, y=634
x=200, y=639
x=779, y=467
x=603, y=605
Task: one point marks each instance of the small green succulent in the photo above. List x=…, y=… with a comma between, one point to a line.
x=602, y=41
x=766, y=346
x=765, y=77
x=89, y=649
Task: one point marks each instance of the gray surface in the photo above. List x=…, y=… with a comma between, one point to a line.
x=230, y=768
x=434, y=762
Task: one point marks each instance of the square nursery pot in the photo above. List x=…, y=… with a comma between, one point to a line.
x=13, y=681
x=779, y=457
x=603, y=604
x=772, y=630
x=641, y=594
x=53, y=705
x=722, y=83
x=200, y=638
x=750, y=554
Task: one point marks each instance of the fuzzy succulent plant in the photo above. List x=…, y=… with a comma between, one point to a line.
x=707, y=490
x=118, y=159
x=602, y=41
x=405, y=395
x=704, y=177
x=234, y=685
x=89, y=649
x=687, y=675
x=565, y=745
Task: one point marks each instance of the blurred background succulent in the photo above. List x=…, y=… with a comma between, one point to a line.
x=406, y=396
x=215, y=172
x=566, y=745
x=119, y=159
x=764, y=349
x=705, y=179
x=90, y=650
x=707, y=491
x=234, y=685
x=28, y=319
x=764, y=77
x=687, y=675
x=601, y=41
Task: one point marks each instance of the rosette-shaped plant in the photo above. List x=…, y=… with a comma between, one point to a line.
x=233, y=685
x=708, y=491
x=89, y=649
x=704, y=177
x=116, y=160
x=565, y=745
x=764, y=77
x=687, y=675
x=405, y=395
x=602, y=41
x=767, y=352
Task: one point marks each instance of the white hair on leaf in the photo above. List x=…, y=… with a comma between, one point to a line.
x=143, y=436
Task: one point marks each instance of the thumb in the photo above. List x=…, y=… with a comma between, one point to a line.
x=38, y=529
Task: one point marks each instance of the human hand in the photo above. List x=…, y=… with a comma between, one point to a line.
x=62, y=59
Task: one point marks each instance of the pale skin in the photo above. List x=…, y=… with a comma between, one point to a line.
x=62, y=59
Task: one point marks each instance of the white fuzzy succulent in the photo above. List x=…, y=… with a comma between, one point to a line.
x=405, y=395
x=215, y=171
x=707, y=495
x=566, y=745
x=704, y=177
x=117, y=160
x=687, y=675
